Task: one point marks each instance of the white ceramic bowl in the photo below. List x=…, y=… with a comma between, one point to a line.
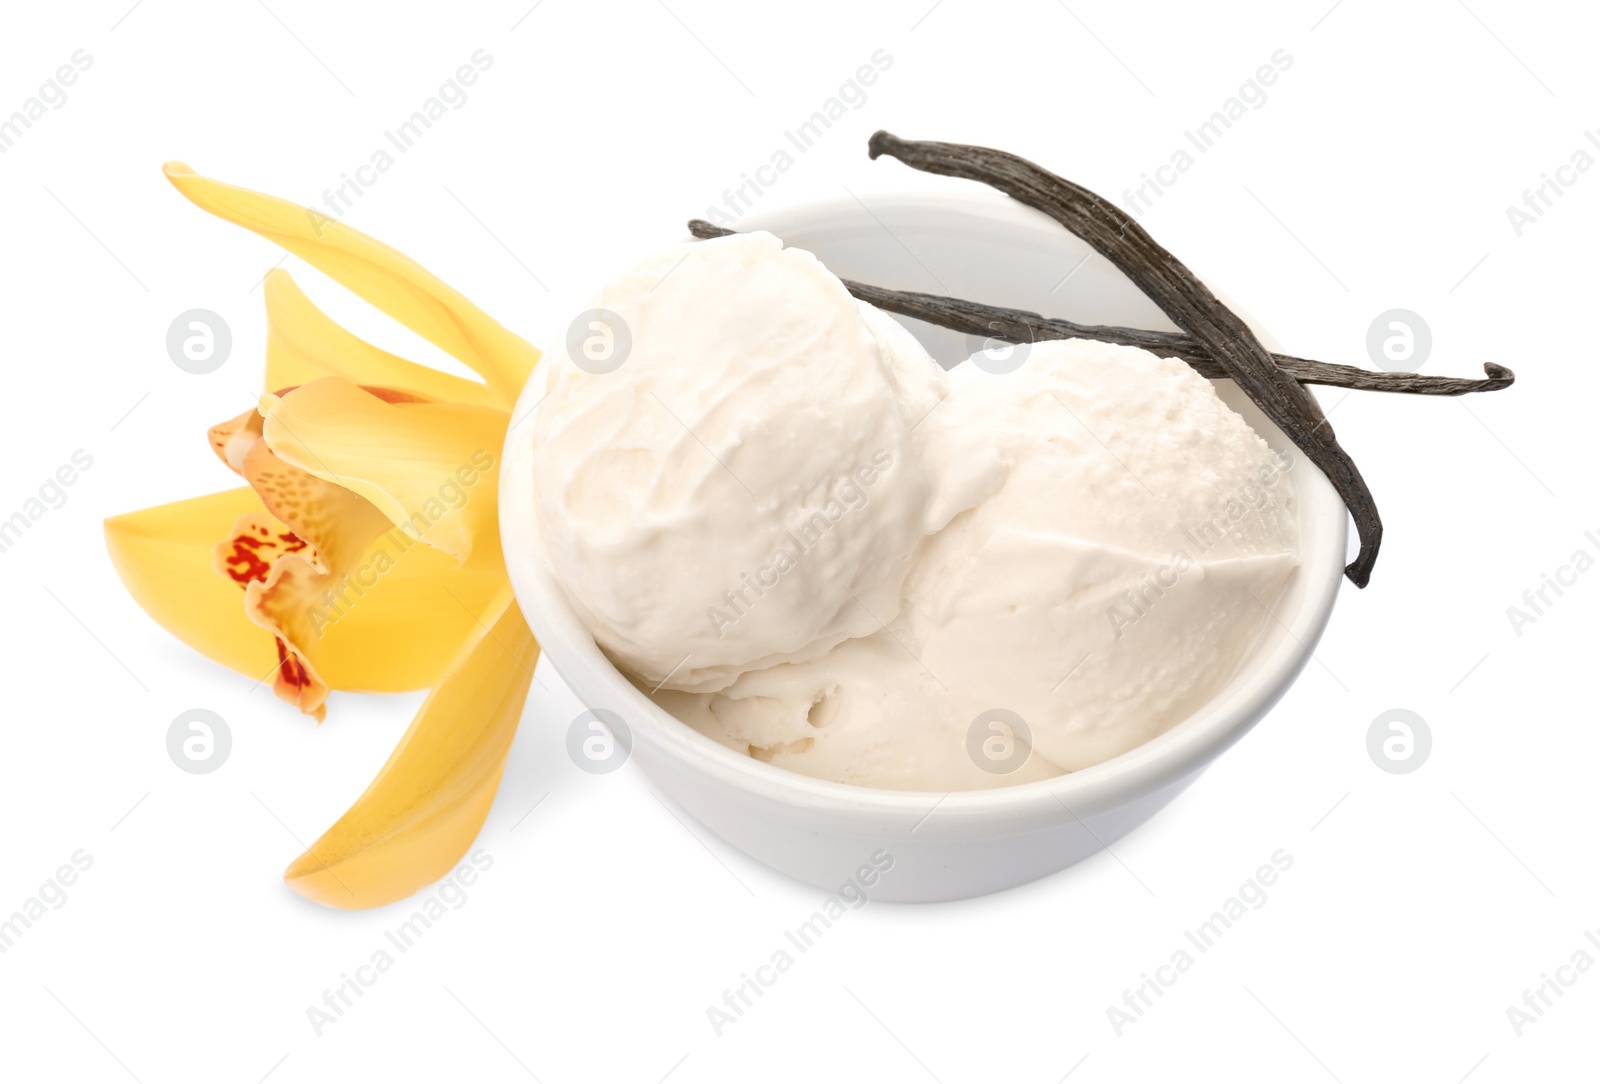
x=945, y=846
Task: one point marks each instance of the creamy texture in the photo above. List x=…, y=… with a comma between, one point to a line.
x=832, y=555
x=759, y=406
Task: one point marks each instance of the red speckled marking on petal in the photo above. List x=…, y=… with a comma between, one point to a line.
x=291, y=671
x=246, y=556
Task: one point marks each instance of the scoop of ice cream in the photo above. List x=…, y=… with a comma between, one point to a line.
x=1126, y=567
x=1111, y=585
x=743, y=489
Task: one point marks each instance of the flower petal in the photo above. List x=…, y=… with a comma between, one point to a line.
x=339, y=525
x=374, y=271
x=429, y=467
x=416, y=820
x=233, y=439
x=164, y=556
x=304, y=344
x=260, y=549
x=401, y=631
x=392, y=623
x=395, y=625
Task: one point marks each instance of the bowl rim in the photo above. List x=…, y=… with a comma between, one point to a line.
x=1177, y=753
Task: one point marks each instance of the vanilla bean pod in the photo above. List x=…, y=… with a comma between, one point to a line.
x=1186, y=301
x=1021, y=326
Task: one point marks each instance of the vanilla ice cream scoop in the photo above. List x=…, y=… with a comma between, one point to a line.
x=778, y=515
x=1127, y=566
x=1110, y=586
x=743, y=489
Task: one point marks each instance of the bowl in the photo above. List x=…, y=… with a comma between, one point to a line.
x=943, y=846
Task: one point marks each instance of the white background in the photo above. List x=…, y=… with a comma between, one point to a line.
x=1419, y=907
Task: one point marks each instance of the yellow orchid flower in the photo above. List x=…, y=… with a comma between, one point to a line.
x=366, y=545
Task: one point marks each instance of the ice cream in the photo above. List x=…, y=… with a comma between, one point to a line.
x=742, y=490
x=813, y=545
